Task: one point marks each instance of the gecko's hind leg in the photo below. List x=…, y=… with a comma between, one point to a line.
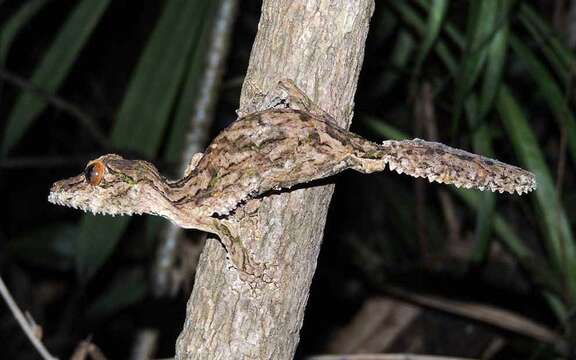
x=296, y=99
x=285, y=95
x=258, y=99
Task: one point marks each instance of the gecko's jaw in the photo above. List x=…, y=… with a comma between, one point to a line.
x=86, y=206
x=91, y=199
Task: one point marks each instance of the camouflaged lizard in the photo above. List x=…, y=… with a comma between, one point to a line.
x=293, y=142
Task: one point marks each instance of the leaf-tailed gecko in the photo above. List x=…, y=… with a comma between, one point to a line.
x=291, y=143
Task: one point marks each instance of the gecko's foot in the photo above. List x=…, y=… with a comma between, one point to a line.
x=258, y=99
x=255, y=274
x=278, y=97
x=285, y=95
x=295, y=99
x=258, y=275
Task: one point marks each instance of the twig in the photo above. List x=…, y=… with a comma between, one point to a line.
x=490, y=315
x=87, y=121
x=86, y=349
x=378, y=324
x=23, y=323
x=382, y=357
x=197, y=134
x=493, y=348
x=145, y=344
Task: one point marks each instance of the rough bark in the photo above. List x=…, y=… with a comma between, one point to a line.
x=320, y=45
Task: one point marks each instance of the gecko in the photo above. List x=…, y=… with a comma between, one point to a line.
x=293, y=142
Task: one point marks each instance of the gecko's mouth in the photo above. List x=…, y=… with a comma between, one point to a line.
x=76, y=193
x=63, y=199
x=94, y=207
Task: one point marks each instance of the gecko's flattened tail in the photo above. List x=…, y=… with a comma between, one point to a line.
x=443, y=164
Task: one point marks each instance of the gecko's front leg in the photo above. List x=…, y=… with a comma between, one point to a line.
x=229, y=237
x=238, y=255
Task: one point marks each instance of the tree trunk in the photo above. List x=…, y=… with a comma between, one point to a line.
x=320, y=45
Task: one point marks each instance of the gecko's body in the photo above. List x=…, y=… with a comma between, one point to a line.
x=262, y=151
x=277, y=149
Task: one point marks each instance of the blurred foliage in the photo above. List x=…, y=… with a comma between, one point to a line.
x=497, y=70
x=485, y=62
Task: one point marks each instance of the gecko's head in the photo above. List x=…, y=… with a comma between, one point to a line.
x=110, y=185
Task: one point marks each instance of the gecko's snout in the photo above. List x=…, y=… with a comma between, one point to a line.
x=100, y=191
x=61, y=191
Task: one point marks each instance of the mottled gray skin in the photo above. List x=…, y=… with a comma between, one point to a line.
x=277, y=149
x=271, y=150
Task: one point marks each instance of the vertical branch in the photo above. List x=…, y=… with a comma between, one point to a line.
x=199, y=128
x=319, y=45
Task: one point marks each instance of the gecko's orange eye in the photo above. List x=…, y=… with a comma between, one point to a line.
x=94, y=172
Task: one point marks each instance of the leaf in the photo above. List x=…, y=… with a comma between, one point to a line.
x=400, y=56
x=53, y=68
x=540, y=272
x=12, y=27
x=436, y=15
x=559, y=239
x=48, y=246
x=195, y=68
x=480, y=135
x=157, y=78
x=559, y=308
x=144, y=114
x=97, y=237
x=559, y=55
x=556, y=100
x=411, y=18
x=184, y=109
x=496, y=60
x=481, y=25
x=380, y=127
x=563, y=62
x=127, y=288
x=496, y=49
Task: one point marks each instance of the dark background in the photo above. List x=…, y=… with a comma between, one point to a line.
x=389, y=238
